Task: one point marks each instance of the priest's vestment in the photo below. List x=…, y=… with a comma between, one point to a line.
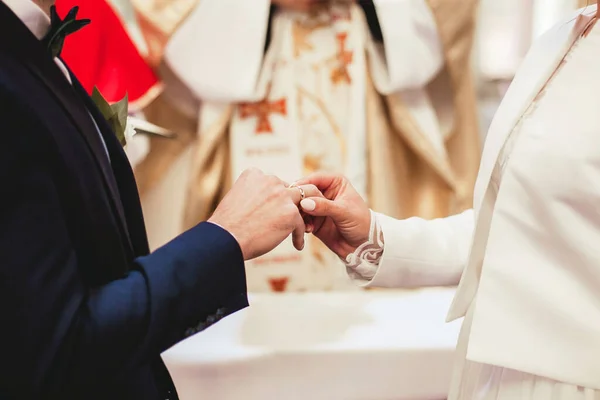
x=380, y=92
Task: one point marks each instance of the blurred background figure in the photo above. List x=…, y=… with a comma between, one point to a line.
x=182, y=179
x=378, y=90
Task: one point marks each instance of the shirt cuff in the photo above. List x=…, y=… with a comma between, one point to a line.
x=364, y=262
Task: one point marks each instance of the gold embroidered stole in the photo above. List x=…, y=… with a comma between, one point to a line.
x=300, y=126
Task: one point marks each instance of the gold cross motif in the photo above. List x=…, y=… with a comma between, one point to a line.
x=262, y=110
x=344, y=58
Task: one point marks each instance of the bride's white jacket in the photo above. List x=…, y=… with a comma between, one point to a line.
x=529, y=253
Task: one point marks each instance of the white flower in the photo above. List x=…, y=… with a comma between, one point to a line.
x=137, y=148
x=129, y=131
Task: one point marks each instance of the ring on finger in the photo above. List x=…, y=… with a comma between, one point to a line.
x=302, y=194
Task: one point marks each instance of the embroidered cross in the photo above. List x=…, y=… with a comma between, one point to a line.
x=262, y=110
x=344, y=57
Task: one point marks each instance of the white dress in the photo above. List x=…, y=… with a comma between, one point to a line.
x=475, y=381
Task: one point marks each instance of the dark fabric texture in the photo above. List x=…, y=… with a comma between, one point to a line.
x=86, y=310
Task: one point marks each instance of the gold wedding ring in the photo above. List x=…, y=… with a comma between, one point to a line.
x=302, y=194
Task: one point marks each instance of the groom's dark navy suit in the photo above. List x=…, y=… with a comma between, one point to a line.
x=85, y=311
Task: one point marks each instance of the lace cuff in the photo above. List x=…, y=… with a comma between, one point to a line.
x=363, y=263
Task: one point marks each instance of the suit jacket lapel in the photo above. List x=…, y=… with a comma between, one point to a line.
x=124, y=178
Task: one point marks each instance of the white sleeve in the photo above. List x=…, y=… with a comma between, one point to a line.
x=420, y=252
x=218, y=51
x=412, y=52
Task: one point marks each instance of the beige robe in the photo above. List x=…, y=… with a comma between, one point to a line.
x=406, y=174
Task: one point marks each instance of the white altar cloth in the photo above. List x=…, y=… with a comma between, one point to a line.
x=372, y=345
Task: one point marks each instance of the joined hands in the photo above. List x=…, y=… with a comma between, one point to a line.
x=261, y=211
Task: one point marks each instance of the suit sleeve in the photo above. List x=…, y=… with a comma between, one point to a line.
x=218, y=51
x=62, y=336
x=420, y=252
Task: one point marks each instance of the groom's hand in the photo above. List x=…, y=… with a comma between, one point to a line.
x=341, y=219
x=261, y=211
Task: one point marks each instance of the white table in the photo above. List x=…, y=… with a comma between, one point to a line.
x=374, y=345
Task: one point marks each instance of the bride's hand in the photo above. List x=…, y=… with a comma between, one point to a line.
x=342, y=219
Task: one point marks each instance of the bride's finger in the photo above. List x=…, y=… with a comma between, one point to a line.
x=301, y=192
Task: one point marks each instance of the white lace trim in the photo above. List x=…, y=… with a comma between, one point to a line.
x=365, y=259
